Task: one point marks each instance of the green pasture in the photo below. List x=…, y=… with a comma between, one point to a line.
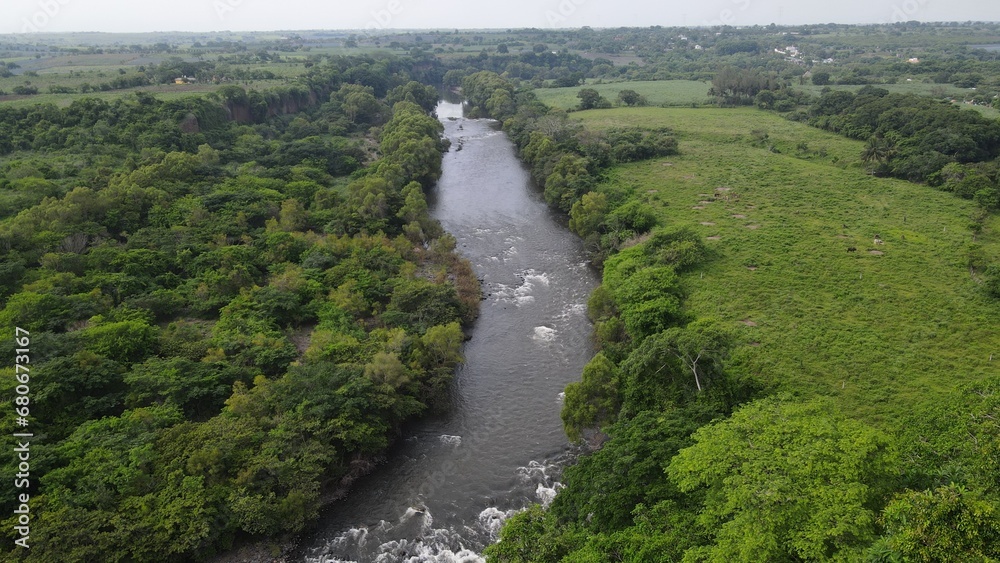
x=73, y=70
x=657, y=92
x=887, y=334
x=164, y=92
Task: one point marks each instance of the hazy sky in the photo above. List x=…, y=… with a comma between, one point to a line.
x=264, y=15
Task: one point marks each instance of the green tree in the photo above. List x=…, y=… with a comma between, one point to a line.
x=531, y=536
x=785, y=481
x=702, y=346
x=878, y=151
x=592, y=402
x=604, y=487
x=648, y=301
x=195, y=387
x=568, y=181
x=632, y=98
x=948, y=524
x=125, y=342
x=821, y=78
x=591, y=99
x=418, y=305
x=424, y=96
x=587, y=214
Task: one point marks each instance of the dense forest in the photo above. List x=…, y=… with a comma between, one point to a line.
x=234, y=304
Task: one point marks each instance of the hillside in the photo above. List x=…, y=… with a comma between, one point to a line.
x=796, y=363
x=883, y=328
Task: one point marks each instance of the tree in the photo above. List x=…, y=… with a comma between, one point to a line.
x=765, y=99
x=604, y=487
x=587, y=214
x=592, y=99
x=631, y=98
x=442, y=345
x=878, y=151
x=530, y=536
x=195, y=387
x=360, y=104
x=424, y=96
x=648, y=301
x=740, y=86
x=702, y=347
x=785, y=481
x=125, y=342
x=821, y=78
x=567, y=182
x=293, y=216
x=593, y=402
x=386, y=369
x=948, y=524
x=501, y=105
x=417, y=305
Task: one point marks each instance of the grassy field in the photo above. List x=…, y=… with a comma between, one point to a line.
x=163, y=91
x=73, y=70
x=684, y=93
x=886, y=329
x=658, y=92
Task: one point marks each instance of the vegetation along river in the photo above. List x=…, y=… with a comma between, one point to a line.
x=452, y=480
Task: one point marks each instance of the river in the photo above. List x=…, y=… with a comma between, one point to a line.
x=446, y=488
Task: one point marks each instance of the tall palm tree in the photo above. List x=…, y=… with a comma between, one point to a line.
x=878, y=150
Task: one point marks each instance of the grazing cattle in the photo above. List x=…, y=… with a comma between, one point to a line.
x=852, y=249
x=878, y=241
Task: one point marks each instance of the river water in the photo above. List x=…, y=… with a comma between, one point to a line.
x=451, y=481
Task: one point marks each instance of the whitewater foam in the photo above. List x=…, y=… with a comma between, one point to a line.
x=544, y=334
x=450, y=440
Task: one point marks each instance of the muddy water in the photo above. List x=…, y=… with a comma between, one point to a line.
x=448, y=486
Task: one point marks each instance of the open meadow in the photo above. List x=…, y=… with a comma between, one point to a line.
x=657, y=92
x=791, y=217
